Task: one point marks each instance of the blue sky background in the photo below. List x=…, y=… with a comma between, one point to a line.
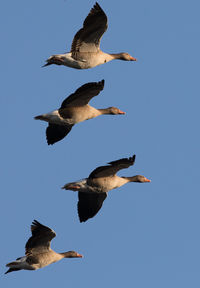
x=146, y=235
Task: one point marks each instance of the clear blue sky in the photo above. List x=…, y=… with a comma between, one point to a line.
x=146, y=235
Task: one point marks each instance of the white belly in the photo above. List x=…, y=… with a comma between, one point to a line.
x=55, y=118
x=89, y=62
x=106, y=184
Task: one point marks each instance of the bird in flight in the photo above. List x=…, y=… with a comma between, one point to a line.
x=74, y=109
x=85, y=49
x=38, y=252
x=92, y=191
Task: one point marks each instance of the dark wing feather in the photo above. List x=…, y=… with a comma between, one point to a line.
x=83, y=95
x=12, y=269
x=89, y=204
x=87, y=39
x=55, y=133
x=124, y=163
x=112, y=168
x=40, y=239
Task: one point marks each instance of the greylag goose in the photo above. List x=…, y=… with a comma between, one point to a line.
x=74, y=109
x=93, y=190
x=85, y=50
x=38, y=251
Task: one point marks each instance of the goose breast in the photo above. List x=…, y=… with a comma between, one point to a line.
x=79, y=113
x=106, y=184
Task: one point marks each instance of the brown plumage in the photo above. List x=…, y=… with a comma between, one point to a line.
x=38, y=252
x=85, y=49
x=93, y=190
x=75, y=109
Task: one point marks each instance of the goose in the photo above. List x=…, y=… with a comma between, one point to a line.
x=74, y=109
x=85, y=49
x=92, y=191
x=38, y=251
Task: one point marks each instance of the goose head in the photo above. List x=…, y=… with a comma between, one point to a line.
x=124, y=56
x=71, y=254
x=114, y=111
x=141, y=179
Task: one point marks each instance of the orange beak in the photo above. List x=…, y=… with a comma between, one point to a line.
x=133, y=59
x=121, y=112
x=148, y=180
x=79, y=255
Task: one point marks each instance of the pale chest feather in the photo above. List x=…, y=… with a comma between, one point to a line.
x=94, y=59
x=45, y=259
x=106, y=184
x=85, y=60
x=79, y=113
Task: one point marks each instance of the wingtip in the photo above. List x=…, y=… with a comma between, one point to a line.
x=50, y=142
x=96, y=5
x=82, y=219
x=102, y=83
x=134, y=157
x=46, y=64
x=35, y=223
x=39, y=117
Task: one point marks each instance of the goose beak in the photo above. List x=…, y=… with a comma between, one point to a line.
x=121, y=112
x=133, y=59
x=79, y=255
x=147, y=180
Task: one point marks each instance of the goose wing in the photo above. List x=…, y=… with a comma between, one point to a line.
x=89, y=204
x=87, y=39
x=83, y=95
x=55, y=133
x=40, y=240
x=112, y=168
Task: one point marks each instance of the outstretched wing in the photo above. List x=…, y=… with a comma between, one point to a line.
x=83, y=95
x=89, y=204
x=40, y=239
x=87, y=39
x=112, y=168
x=55, y=133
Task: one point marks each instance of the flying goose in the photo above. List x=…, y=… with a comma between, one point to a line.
x=85, y=50
x=74, y=109
x=93, y=190
x=38, y=251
